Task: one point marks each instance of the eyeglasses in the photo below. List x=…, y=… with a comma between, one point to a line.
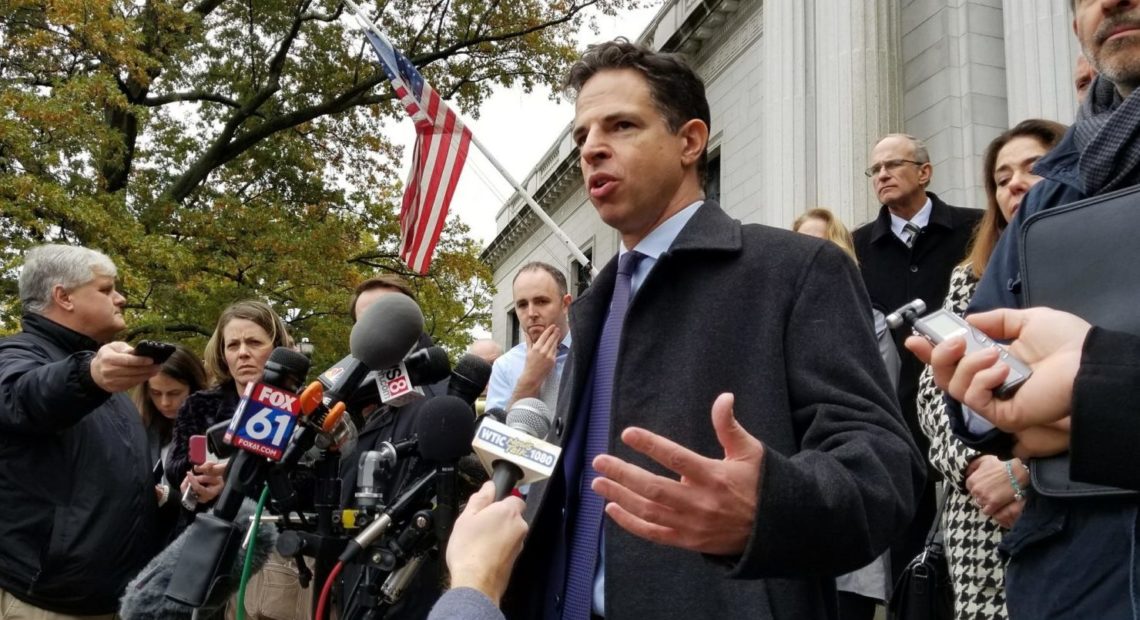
x=890, y=164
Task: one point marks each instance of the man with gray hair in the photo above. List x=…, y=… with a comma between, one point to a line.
x=77, y=496
x=906, y=253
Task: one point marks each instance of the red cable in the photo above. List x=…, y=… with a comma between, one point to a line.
x=323, y=602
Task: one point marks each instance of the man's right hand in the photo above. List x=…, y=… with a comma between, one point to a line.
x=543, y=352
x=115, y=369
x=541, y=356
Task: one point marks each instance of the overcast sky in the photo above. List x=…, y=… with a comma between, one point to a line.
x=517, y=128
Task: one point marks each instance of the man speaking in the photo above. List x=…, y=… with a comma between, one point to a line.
x=803, y=470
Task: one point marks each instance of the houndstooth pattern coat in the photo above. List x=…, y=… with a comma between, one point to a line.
x=972, y=538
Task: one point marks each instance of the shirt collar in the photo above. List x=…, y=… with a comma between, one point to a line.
x=659, y=239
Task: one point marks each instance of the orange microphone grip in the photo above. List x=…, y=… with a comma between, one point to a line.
x=333, y=417
x=311, y=398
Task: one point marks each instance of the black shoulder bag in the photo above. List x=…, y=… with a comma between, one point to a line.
x=1082, y=258
x=924, y=590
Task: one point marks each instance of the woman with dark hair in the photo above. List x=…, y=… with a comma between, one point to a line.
x=985, y=494
x=159, y=399
x=246, y=333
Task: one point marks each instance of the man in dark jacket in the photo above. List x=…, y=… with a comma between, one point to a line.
x=908, y=253
x=805, y=469
x=77, y=497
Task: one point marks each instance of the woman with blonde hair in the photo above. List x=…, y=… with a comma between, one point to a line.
x=822, y=223
x=245, y=335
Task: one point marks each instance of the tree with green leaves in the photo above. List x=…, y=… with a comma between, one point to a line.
x=224, y=149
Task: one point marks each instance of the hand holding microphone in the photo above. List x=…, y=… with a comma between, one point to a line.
x=485, y=543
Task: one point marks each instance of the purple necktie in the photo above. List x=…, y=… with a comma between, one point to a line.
x=588, y=514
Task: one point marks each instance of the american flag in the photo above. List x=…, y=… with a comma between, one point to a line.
x=440, y=152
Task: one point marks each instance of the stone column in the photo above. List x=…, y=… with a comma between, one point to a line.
x=832, y=84
x=1040, y=52
x=859, y=99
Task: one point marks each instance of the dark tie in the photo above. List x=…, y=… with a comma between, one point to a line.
x=588, y=515
x=911, y=230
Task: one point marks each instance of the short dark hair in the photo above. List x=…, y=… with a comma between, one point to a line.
x=395, y=283
x=559, y=278
x=677, y=91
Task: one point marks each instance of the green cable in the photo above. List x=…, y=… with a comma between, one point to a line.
x=247, y=567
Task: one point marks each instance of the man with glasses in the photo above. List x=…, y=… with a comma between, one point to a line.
x=908, y=252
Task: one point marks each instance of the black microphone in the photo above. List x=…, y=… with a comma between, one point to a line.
x=145, y=596
x=502, y=450
x=204, y=579
x=343, y=379
x=444, y=428
x=386, y=332
x=469, y=378
x=497, y=414
x=428, y=365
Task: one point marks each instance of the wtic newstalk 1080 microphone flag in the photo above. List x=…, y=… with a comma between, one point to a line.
x=514, y=452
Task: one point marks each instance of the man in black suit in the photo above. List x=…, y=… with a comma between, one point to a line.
x=907, y=253
x=805, y=469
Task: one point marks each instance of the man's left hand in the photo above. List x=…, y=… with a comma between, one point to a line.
x=711, y=509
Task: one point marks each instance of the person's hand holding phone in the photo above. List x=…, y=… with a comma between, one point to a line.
x=205, y=479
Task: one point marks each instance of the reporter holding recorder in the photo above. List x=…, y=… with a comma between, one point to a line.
x=1088, y=373
x=77, y=498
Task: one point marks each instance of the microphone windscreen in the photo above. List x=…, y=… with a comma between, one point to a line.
x=445, y=428
x=531, y=416
x=497, y=414
x=427, y=366
x=145, y=596
x=387, y=330
x=475, y=369
x=285, y=369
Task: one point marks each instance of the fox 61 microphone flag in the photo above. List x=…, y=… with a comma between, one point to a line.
x=264, y=421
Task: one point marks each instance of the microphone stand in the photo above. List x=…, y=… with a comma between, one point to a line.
x=327, y=544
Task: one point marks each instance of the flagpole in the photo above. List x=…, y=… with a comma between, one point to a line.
x=534, y=206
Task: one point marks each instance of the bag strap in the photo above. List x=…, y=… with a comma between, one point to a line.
x=933, y=536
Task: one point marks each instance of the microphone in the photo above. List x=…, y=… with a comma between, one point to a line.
x=145, y=598
x=261, y=426
x=444, y=428
x=323, y=418
x=513, y=452
x=399, y=385
x=386, y=332
x=343, y=379
x=374, y=468
x=469, y=378
x=497, y=414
